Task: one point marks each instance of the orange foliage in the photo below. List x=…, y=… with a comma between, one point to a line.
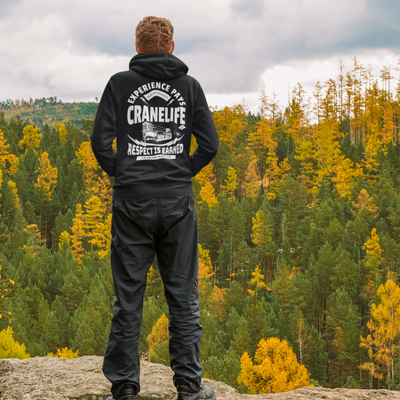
x=275, y=368
x=89, y=163
x=159, y=334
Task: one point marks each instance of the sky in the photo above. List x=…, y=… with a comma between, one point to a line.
x=234, y=48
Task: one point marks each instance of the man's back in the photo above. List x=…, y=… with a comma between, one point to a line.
x=153, y=109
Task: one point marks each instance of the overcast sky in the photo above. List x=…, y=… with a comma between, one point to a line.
x=235, y=48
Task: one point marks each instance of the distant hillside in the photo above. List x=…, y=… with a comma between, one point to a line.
x=50, y=113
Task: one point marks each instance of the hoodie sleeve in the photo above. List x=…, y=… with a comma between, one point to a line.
x=205, y=134
x=104, y=132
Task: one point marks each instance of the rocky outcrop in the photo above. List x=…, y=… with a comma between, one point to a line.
x=49, y=378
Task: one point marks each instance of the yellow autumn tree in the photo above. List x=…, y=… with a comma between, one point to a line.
x=251, y=184
x=14, y=191
x=159, y=335
x=95, y=229
x=217, y=301
x=63, y=133
x=102, y=237
x=372, y=245
x=262, y=137
x=374, y=260
x=89, y=163
x=103, y=189
x=306, y=154
x=275, y=368
x=364, y=200
x=205, y=273
x=3, y=148
x=257, y=281
x=230, y=123
x=205, y=265
x=47, y=178
x=65, y=352
x=77, y=234
x=206, y=174
x=31, y=138
x=150, y=278
x=372, y=145
x=64, y=238
x=206, y=179
x=385, y=332
x=326, y=143
x=9, y=348
x=231, y=183
x=9, y=161
x=272, y=175
x=388, y=126
x=207, y=193
x=344, y=172
x=92, y=220
x=5, y=290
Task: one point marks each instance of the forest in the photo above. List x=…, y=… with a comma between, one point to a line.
x=299, y=227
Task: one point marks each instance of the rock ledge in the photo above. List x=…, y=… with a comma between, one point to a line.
x=49, y=378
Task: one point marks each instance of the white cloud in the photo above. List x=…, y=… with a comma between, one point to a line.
x=250, y=100
x=69, y=48
x=283, y=78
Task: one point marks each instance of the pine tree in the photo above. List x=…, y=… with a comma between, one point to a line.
x=262, y=236
x=244, y=259
x=72, y=293
x=344, y=331
x=51, y=332
x=260, y=143
x=317, y=359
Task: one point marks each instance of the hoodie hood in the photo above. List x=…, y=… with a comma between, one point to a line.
x=161, y=66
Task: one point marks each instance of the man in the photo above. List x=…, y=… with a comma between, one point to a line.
x=152, y=109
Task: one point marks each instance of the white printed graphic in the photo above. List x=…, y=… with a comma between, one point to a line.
x=157, y=93
x=154, y=132
x=161, y=111
x=157, y=157
x=141, y=143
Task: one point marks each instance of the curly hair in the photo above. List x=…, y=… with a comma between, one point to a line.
x=154, y=34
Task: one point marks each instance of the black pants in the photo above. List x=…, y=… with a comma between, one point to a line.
x=140, y=229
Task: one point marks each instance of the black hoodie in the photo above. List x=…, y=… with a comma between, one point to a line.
x=152, y=109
